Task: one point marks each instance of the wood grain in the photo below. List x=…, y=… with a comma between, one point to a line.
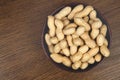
x=21, y=53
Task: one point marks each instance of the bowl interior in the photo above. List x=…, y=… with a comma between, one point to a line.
x=45, y=30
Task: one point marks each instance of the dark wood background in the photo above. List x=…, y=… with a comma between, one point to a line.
x=21, y=53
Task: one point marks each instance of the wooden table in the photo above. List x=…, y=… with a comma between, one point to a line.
x=21, y=53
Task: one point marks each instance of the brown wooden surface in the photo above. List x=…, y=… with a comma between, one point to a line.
x=21, y=53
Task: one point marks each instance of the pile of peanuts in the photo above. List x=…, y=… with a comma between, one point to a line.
x=76, y=37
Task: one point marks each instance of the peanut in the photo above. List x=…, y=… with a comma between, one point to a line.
x=76, y=57
x=78, y=41
x=100, y=40
x=84, y=65
x=93, y=15
x=93, y=51
x=83, y=49
x=105, y=42
x=74, y=35
x=69, y=40
x=80, y=30
x=74, y=11
x=59, y=32
x=73, y=49
x=76, y=65
x=84, y=12
x=63, y=44
x=71, y=25
x=91, y=60
x=65, y=21
x=104, y=51
x=85, y=57
x=86, y=18
x=51, y=25
x=66, y=61
x=66, y=52
x=89, y=42
x=54, y=40
x=98, y=57
x=51, y=48
x=97, y=24
x=81, y=22
x=103, y=30
x=56, y=57
x=68, y=31
x=94, y=33
x=57, y=48
x=64, y=12
x=47, y=39
x=90, y=21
